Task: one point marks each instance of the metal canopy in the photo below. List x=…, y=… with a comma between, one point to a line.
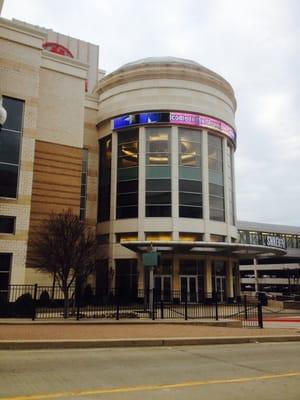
x=237, y=250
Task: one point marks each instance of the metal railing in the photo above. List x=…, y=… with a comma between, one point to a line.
x=47, y=302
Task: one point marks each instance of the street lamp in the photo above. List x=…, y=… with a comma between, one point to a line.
x=3, y=113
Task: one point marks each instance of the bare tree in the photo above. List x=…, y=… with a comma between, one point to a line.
x=66, y=248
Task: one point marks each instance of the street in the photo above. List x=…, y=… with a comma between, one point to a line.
x=270, y=371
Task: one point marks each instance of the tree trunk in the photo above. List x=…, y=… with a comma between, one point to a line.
x=66, y=302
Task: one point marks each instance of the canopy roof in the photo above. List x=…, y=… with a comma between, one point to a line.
x=237, y=250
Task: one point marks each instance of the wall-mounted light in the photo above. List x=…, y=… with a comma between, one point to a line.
x=3, y=113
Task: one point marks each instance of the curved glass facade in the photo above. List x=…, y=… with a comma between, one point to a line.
x=170, y=163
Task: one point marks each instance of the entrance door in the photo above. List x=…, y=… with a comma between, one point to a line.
x=189, y=288
x=162, y=286
x=221, y=287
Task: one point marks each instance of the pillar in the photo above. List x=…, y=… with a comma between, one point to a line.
x=208, y=277
x=229, y=280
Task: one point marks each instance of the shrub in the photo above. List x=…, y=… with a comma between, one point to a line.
x=44, y=299
x=24, y=306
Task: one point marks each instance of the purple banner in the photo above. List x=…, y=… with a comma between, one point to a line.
x=203, y=121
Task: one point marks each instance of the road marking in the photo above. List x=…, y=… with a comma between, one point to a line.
x=142, y=388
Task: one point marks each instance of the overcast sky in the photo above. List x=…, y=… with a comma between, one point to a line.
x=254, y=44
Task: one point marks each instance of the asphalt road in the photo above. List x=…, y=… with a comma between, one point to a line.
x=233, y=372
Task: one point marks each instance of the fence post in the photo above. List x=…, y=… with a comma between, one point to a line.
x=153, y=305
x=216, y=305
x=78, y=303
x=118, y=307
x=245, y=307
x=260, y=315
x=185, y=307
x=34, y=302
x=161, y=309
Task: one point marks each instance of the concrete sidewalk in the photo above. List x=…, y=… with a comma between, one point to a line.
x=16, y=334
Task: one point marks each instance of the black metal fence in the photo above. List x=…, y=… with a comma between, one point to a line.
x=47, y=302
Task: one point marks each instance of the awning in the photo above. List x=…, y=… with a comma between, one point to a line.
x=236, y=250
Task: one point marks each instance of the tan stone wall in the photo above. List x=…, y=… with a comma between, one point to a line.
x=61, y=104
x=20, y=60
x=91, y=143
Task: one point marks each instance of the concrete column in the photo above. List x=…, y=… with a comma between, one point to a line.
x=226, y=194
x=205, y=186
x=142, y=182
x=229, y=279
x=255, y=273
x=208, y=277
x=174, y=178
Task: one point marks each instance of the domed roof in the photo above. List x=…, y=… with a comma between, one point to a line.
x=163, y=60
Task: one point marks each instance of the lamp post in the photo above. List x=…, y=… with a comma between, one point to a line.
x=3, y=113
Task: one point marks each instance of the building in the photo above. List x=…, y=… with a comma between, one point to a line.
x=277, y=275
x=145, y=154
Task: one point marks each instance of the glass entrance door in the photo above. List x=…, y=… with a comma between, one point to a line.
x=162, y=286
x=188, y=288
x=220, y=285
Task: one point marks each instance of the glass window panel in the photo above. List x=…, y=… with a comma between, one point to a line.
x=189, y=159
x=190, y=173
x=189, y=135
x=214, y=141
x=126, y=174
x=9, y=147
x=14, y=108
x=215, y=165
x=127, y=212
x=8, y=180
x=158, y=158
x=216, y=190
x=7, y=224
x=190, y=212
x=189, y=147
x=128, y=149
x=163, y=236
x=127, y=199
x=158, y=198
x=128, y=161
x=216, y=202
x=192, y=199
x=5, y=261
x=127, y=187
x=4, y=281
x=190, y=186
x=190, y=236
x=158, y=211
x=128, y=136
x=158, y=185
x=215, y=178
x=217, y=215
x=158, y=172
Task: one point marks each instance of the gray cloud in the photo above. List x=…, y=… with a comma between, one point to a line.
x=253, y=44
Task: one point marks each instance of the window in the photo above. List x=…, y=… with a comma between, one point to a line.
x=190, y=237
x=159, y=236
x=10, y=144
x=216, y=178
x=126, y=278
x=158, y=173
x=7, y=224
x=126, y=236
x=103, y=239
x=104, y=189
x=5, y=265
x=128, y=169
x=217, y=238
x=190, y=176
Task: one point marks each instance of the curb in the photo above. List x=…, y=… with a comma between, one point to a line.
x=146, y=342
x=204, y=322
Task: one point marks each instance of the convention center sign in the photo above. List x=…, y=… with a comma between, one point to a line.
x=175, y=118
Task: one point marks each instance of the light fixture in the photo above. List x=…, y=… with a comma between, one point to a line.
x=3, y=113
